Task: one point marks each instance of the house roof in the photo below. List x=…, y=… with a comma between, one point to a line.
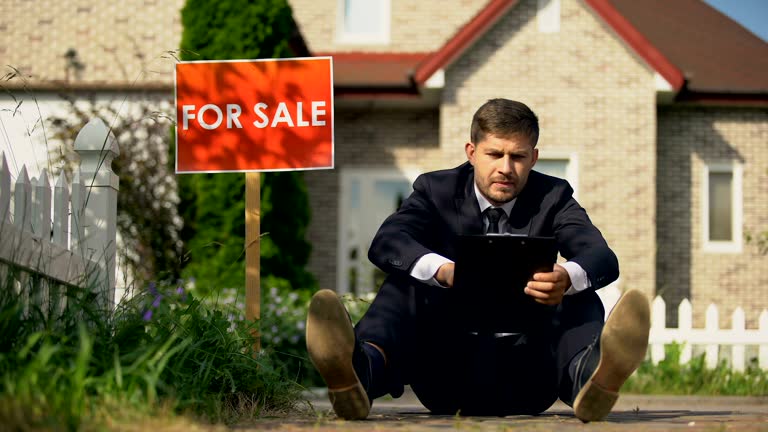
x=703, y=54
x=714, y=53
x=359, y=72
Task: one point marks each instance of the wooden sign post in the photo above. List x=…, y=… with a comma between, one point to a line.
x=253, y=250
x=251, y=116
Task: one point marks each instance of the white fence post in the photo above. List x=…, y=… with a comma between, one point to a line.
x=22, y=201
x=41, y=207
x=685, y=324
x=5, y=191
x=5, y=207
x=763, y=331
x=77, y=230
x=738, y=325
x=658, y=324
x=41, y=228
x=22, y=218
x=97, y=147
x=61, y=212
x=712, y=325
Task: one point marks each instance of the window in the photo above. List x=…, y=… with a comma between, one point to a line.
x=367, y=198
x=721, y=209
x=548, y=16
x=559, y=165
x=363, y=22
x=720, y=206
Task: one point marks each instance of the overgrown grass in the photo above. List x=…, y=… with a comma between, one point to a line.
x=693, y=378
x=163, y=352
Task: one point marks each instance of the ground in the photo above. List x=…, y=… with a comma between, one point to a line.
x=632, y=413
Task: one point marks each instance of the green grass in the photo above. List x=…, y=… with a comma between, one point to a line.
x=163, y=353
x=693, y=378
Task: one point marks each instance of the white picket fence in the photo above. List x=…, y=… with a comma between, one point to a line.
x=711, y=337
x=64, y=235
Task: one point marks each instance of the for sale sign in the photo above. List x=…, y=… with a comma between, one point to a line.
x=254, y=115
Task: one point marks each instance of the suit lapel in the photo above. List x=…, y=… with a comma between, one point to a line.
x=469, y=221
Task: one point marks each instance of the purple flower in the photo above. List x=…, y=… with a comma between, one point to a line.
x=148, y=315
x=182, y=293
x=152, y=288
x=156, y=303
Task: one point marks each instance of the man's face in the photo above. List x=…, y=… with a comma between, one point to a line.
x=501, y=166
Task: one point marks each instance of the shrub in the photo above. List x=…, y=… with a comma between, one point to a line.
x=162, y=351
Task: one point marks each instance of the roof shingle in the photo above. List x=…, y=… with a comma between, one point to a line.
x=715, y=54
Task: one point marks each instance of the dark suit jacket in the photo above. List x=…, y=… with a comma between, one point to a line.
x=443, y=206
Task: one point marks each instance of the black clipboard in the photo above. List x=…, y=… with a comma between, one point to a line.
x=490, y=275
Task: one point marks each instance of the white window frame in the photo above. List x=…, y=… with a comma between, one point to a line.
x=548, y=16
x=347, y=38
x=366, y=177
x=736, y=244
x=571, y=171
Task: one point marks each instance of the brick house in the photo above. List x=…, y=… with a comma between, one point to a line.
x=655, y=111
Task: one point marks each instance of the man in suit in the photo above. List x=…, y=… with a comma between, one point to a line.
x=413, y=332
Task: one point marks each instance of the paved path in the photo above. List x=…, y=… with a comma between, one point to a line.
x=631, y=413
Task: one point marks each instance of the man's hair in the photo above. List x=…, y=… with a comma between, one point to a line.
x=504, y=118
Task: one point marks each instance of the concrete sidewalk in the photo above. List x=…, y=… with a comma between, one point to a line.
x=631, y=413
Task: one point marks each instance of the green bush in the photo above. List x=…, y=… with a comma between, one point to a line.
x=163, y=350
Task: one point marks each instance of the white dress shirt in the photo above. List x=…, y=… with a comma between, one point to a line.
x=426, y=267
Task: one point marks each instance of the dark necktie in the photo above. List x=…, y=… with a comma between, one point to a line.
x=494, y=216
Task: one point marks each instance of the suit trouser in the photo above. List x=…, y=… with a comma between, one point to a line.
x=450, y=370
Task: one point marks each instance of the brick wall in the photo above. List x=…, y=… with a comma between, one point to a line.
x=115, y=41
x=594, y=97
x=416, y=26
x=688, y=139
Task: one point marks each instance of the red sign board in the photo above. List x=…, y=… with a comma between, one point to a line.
x=254, y=115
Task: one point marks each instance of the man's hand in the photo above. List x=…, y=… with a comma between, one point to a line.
x=444, y=275
x=548, y=288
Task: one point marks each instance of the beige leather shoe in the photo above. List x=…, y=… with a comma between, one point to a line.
x=623, y=344
x=331, y=344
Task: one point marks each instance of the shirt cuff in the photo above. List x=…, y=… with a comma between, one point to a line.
x=426, y=267
x=579, y=279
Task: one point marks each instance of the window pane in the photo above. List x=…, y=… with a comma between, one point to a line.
x=363, y=16
x=720, y=206
x=553, y=167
